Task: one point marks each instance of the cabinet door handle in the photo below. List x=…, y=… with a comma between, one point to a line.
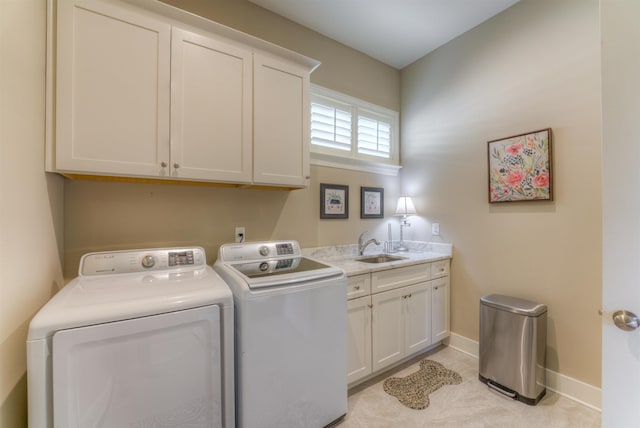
x=409, y=296
x=371, y=306
x=163, y=164
x=357, y=287
x=435, y=288
x=176, y=165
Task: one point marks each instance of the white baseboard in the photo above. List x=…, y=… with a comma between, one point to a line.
x=573, y=389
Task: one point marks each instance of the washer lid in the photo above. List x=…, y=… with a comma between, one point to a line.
x=271, y=264
x=278, y=272
x=264, y=268
x=101, y=298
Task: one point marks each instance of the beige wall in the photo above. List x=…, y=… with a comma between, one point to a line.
x=534, y=66
x=343, y=69
x=30, y=200
x=105, y=215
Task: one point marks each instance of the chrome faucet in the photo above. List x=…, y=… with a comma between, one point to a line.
x=362, y=245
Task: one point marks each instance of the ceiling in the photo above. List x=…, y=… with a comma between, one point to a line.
x=396, y=32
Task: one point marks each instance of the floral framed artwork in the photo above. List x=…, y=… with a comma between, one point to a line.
x=371, y=202
x=520, y=168
x=334, y=201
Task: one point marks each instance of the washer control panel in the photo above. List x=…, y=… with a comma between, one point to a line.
x=156, y=259
x=259, y=251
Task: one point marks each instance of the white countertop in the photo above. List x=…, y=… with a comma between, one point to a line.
x=345, y=256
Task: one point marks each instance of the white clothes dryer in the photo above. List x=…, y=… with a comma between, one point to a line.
x=140, y=338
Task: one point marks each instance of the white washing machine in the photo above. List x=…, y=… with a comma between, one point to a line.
x=141, y=338
x=291, y=340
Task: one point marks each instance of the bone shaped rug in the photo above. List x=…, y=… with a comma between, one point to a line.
x=413, y=391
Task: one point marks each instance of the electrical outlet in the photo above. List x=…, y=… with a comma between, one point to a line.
x=435, y=229
x=240, y=236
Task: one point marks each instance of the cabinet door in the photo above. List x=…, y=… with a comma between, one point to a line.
x=388, y=326
x=112, y=90
x=210, y=109
x=417, y=299
x=281, y=134
x=440, y=308
x=359, y=338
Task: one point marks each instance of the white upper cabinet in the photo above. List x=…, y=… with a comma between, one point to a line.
x=281, y=121
x=210, y=109
x=159, y=93
x=112, y=103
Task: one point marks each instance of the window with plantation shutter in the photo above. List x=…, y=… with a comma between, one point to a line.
x=330, y=126
x=352, y=133
x=374, y=137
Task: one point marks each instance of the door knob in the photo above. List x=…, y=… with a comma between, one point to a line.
x=626, y=320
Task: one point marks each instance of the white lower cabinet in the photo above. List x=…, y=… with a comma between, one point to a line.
x=401, y=323
x=387, y=327
x=417, y=317
x=440, y=297
x=359, y=338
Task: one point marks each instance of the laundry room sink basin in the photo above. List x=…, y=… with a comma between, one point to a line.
x=380, y=258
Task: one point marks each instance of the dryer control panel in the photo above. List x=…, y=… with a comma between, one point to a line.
x=130, y=261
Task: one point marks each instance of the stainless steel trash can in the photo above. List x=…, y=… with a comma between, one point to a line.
x=513, y=338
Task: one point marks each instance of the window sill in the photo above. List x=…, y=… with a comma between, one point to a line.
x=354, y=164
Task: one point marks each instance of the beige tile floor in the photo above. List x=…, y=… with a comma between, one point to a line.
x=469, y=404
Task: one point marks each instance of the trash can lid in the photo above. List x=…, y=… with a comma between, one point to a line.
x=514, y=305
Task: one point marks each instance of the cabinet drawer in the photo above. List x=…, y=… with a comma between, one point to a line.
x=440, y=269
x=358, y=286
x=394, y=278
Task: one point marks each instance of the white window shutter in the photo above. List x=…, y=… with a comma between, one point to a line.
x=330, y=127
x=374, y=137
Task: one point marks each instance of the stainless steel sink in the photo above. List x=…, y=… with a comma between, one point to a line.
x=380, y=258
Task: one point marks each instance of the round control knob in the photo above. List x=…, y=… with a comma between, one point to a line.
x=148, y=262
x=264, y=266
x=264, y=250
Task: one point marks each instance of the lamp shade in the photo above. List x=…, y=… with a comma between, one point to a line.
x=405, y=206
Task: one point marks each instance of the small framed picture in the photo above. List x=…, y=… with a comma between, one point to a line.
x=520, y=168
x=334, y=201
x=371, y=202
